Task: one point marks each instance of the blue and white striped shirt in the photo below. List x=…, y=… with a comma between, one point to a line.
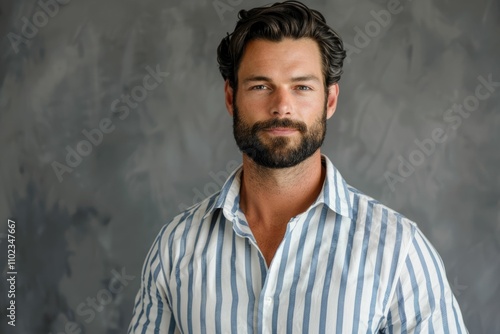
x=346, y=265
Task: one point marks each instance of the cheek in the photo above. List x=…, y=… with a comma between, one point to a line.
x=311, y=111
x=252, y=109
x=252, y=102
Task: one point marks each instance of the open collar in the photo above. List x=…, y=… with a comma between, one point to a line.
x=335, y=193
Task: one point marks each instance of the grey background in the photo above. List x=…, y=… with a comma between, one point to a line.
x=177, y=144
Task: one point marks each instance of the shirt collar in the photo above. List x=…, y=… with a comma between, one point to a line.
x=335, y=193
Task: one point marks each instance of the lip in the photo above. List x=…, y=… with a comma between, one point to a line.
x=281, y=131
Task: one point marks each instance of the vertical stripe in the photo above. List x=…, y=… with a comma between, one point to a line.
x=346, y=195
x=429, y=285
x=203, y=292
x=190, y=288
x=159, y=311
x=433, y=254
x=279, y=283
x=401, y=308
x=394, y=263
x=428, y=282
x=182, y=252
x=337, y=194
x=345, y=269
x=218, y=277
x=296, y=270
x=249, y=285
x=170, y=249
x=146, y=271
x=150, y=304
x=378, y=266
x=312, y=272
x=415, y=296
x=328, y=276
x=389, y=321
x=170, y=239
x=361, y=267
x=171, y=328
x=234, y=287
x=455, y=315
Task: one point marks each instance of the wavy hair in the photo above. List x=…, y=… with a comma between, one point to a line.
x=289, y=19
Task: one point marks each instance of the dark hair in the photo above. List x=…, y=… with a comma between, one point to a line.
x=290, y=19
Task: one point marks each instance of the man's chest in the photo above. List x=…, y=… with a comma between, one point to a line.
x=329, y=278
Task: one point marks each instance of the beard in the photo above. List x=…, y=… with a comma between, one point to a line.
x=278, y=151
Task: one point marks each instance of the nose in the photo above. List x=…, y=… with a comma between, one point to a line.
x=282, y=103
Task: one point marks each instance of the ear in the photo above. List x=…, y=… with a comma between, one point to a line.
x=228, y=97
x=331, y=104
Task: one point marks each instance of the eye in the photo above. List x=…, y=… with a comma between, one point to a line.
x=258, y=87
x=301, y=87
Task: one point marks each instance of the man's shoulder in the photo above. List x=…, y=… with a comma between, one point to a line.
x=386, y=227
x=361, y=207
x=192, y=216
x=387, y=216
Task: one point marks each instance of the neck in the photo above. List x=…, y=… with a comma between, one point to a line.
x=274, y=196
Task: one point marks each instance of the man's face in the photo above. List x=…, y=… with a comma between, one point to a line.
x=281, y=107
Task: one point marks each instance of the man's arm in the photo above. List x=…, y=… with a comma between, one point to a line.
x=423, y=301
x=152, y=312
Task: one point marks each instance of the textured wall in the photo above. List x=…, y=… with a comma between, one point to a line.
x=82, y=222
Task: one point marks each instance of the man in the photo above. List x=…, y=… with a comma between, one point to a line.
x=287, y=246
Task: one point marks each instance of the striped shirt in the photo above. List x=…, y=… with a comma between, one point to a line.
x=348, y=264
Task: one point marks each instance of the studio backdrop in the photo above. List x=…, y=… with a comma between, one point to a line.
x=112, y=121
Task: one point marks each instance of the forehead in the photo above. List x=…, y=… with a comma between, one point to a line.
x=286, y=58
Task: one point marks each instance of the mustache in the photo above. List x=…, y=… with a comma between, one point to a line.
x=279, y=123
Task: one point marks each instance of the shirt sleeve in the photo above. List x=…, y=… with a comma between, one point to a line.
x=423, y=301
x=152, y=311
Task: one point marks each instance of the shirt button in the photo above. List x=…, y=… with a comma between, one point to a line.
x=269, y=300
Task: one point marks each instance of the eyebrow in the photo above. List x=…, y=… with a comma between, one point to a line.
x=309, y=77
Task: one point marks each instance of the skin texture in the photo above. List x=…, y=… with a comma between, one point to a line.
x=280, y=80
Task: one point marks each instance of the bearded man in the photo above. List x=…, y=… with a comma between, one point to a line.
x=287, y=246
